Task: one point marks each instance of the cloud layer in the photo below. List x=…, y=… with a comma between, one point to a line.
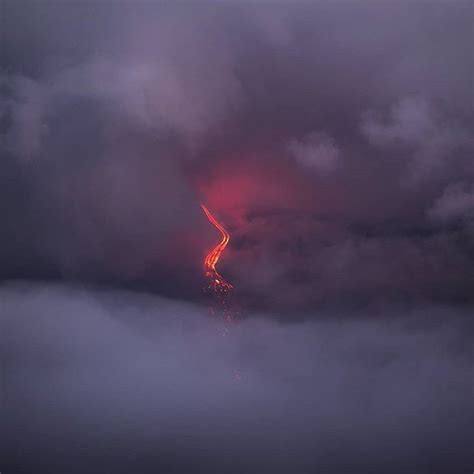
x=102, y=381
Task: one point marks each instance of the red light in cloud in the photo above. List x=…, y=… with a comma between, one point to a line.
x=239, y=185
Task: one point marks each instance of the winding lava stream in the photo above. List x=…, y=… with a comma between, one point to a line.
x=217, y=282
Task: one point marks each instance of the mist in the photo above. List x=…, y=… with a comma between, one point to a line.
x=103, y=381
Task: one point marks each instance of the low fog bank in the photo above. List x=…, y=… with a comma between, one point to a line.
x=107, y=381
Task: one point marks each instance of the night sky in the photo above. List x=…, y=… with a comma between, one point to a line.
x=333, y=140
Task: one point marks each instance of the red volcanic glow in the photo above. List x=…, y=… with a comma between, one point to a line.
x=217, y=281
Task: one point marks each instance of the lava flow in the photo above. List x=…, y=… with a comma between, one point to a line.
x=217, y=282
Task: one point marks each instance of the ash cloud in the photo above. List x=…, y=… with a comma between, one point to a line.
x=118, y=119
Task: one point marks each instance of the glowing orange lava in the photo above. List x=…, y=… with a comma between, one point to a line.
x=218, y=283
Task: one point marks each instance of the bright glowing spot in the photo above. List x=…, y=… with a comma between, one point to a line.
x=210, y=262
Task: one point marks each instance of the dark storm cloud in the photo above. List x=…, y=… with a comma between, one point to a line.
x=353, y=117
x=334, y=123
x=107, y=382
